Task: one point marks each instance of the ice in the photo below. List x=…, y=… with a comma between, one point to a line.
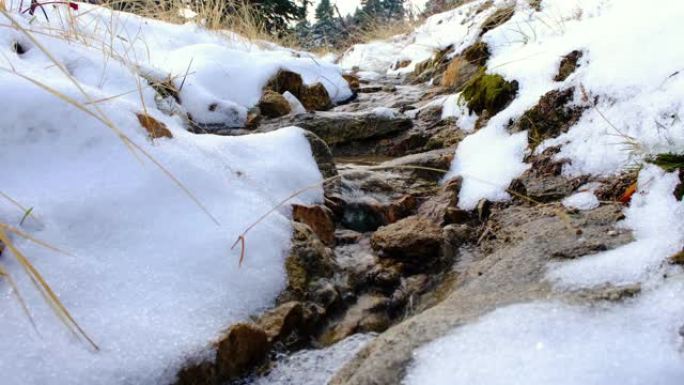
x=314, y=367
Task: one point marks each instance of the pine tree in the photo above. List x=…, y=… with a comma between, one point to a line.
x=393, y=9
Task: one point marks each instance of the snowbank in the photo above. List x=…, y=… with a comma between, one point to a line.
x=149, y=275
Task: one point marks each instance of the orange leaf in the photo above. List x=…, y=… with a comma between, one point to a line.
x=155, y=128
x=627, y=195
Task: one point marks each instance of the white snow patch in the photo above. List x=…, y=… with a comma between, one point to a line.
x=295, y=105
x=488, y=160
x=657, y=220
x=583, y=200
x=554, y=343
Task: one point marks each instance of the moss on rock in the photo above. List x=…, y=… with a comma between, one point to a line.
x=488, y=92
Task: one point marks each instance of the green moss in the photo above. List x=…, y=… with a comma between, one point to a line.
x=488, y=92
x=669, y=161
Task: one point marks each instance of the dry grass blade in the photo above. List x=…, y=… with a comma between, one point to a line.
x=47, y=292
x=15, y=290
x=30, y=238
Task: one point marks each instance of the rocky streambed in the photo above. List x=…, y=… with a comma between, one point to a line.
x=389, y=259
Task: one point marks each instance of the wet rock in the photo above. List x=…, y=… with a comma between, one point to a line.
x=408, y=290
x=315, y=97
x=488, y=92
x=442, y=208
x=273, y=104
x=342, y=236
x=553, y=115
x=283, y=321
x=363, y=215
x=410, y=238
x=513, y=272
x=385, y=275
x=438, y=159
x=243, y=347
x=325, y=294
x=568, y=65
x=499, y=17
x=455, y=235
x=308, y=260
x=336, y=128
x=366, y=315
x=322, y=155
x=400, y=208
x=318, y=218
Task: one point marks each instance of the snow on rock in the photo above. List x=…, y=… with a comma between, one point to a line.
x=555, y=343
x=657, y=220
x=583, y=200
x=210, y=66
x=149, y=275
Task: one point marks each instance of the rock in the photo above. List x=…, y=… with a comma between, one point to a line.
x=315, y=97
x=438, y=159
x=610, y=292
x=458, y=73
x=488, y=92
x=318, y=218
x=363, y=215
x=273, y=104
x=568, y=65
x=282, y=321
x=243, y=347
x=477, y=54
x=553, y=115
x=499, y=17
x=353, y=82
x=342, y=237
x=337, y=128
x=410, y=238
x=308, y=260
x=285, y=81
x=544, y=181
x=677, y=259
x=366, y=315
x=322, y=155
x=385, y=275
x=513, y=272
x=325, y=294
x=442, y=208
x=400, y=208
x=203, y=373
x=253, y=118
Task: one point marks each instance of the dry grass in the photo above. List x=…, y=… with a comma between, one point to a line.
x=452, y=75
x=238, y=16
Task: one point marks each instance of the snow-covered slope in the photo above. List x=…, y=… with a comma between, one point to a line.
x=630, y=80
x=149, y=275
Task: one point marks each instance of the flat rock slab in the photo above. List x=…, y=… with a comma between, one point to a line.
x=342, y=127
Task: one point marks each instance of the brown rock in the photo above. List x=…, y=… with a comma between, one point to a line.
x=568, y=65
x=400, y=208
x=412, y=237
x=242, y=348
x=273, y=104
x=315, y=97
x=677, y=259
x=199, y=374
x=353, y=82
x=308, y=260
x=368, y=314
x=499, y=17
x=284, y=81
x=319, y=218
x=253, y=118
x=282, y=321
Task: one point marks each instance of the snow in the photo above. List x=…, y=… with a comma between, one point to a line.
x=149, y=275
x=314, y=367
x=657, y=221
x=487, y=161
x=583, y=200
x=555, y=343
x=295, y=105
